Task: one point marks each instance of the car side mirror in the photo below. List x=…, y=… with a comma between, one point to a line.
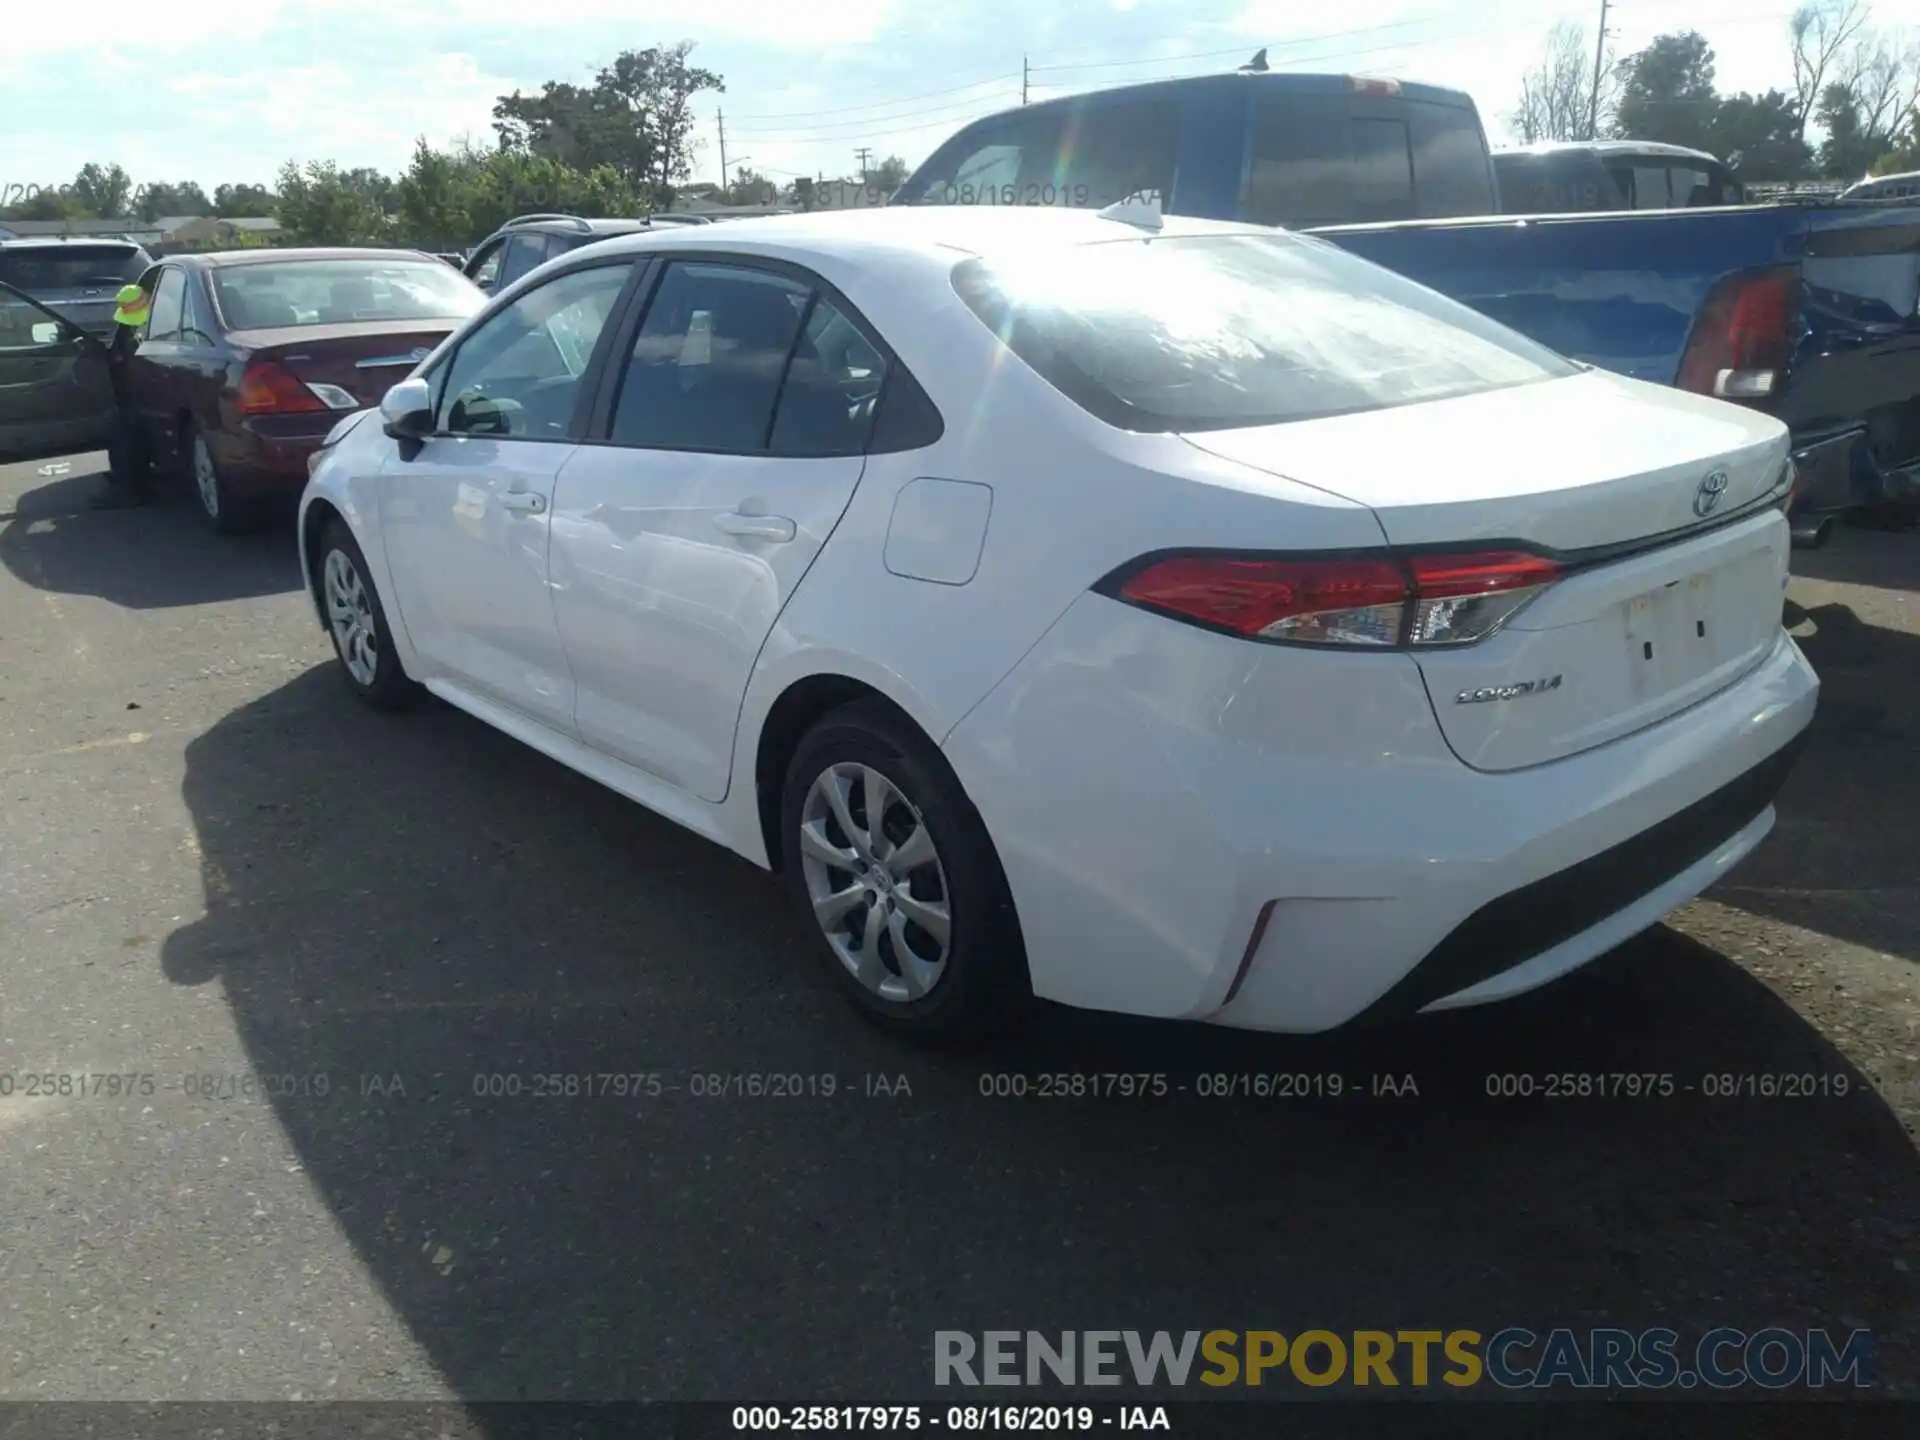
x=406, y=411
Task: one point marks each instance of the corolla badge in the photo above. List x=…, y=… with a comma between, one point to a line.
x=1707, y=498
x=1488, y=693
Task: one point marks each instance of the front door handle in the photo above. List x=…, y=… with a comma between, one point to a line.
x=524, y=502
x=755, y=527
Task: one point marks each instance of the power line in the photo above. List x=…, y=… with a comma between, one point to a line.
x=877, y=104
x=991, y=104
x=1241, y=49
x=860, y=124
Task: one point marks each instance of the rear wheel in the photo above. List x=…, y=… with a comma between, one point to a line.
x=357, y=622
x=894, y=873
x=223, y=512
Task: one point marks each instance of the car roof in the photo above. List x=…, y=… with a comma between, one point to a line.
x=939, y=233
x=228, y=259
x=55, y=242
x=1607, y=147
x=1290, y=80
x=570, y=225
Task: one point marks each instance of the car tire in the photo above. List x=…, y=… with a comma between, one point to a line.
x=357, y=623
x=955, y=989
x=214, y=502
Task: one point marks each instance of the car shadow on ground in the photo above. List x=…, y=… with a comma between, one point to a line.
x=61, y=538
x=1886, y=560
x=1842, y=859
x=434, y=918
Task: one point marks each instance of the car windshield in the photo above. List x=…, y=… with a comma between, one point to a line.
x=1214, y=332
x=327, y=292
x=71, y=267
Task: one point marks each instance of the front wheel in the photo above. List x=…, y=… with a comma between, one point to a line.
x=896, y=877
x=357, y=622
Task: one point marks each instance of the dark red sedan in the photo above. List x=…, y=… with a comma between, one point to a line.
x=250, y=357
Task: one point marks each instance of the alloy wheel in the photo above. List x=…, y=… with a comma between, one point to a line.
x=350, y=616
x=205, y=480
x=874, y=877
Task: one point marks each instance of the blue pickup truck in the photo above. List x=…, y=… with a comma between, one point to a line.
x=1805, y=311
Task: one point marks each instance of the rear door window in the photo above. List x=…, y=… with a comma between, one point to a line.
x=169, y=303
x=524, y=253
x=707, y=362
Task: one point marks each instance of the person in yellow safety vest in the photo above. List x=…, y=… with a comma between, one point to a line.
x=127, y=464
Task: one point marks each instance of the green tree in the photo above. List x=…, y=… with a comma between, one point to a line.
x=750, y=187
x=510, y=183
x=50, y=204
x=1847, y=153
x=889, y=175
x=246, y=200
x=1667, y=92
x=152, y=201
x=322, y=205
x=1761, y=135
x=434, y=197
x=102, y=190
x=636, y=119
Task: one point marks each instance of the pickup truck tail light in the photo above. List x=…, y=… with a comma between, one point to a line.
x=1739, y=345
x=1382, y=602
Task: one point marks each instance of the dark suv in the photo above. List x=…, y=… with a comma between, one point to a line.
x=76, y=279
x=530, y=240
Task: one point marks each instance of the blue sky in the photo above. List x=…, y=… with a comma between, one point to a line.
x=234, y=88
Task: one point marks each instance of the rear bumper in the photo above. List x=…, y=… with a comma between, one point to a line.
x=1277, y=839
x=268, y=457
x=1535, y=933
x=1840, y=472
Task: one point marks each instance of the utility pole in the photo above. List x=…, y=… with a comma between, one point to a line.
x=863, y=152
x=720, y=119
x=1599, y=52
x=1023, y=79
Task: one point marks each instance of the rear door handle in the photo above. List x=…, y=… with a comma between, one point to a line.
x=755, y=527
x=524, y=502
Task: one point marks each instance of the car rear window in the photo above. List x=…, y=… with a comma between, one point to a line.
x=327, y=292
x=71, y=267
x=1215, y=332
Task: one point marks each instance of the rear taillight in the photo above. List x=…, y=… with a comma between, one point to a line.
x=268, y=389
x=1740, y=342
x=1380, y=602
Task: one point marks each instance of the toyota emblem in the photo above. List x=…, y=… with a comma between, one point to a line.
x=1707, y=498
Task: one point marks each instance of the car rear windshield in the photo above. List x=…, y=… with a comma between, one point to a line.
x=329, y=292
x=71, y=267
x=1214, y=332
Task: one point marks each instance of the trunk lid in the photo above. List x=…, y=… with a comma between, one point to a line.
x=1661, y=605
x=364, y=358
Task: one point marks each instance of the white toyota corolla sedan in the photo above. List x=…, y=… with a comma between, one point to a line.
x=1158, y=616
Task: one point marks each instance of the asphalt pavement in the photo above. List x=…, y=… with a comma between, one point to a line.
x=303, y=966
